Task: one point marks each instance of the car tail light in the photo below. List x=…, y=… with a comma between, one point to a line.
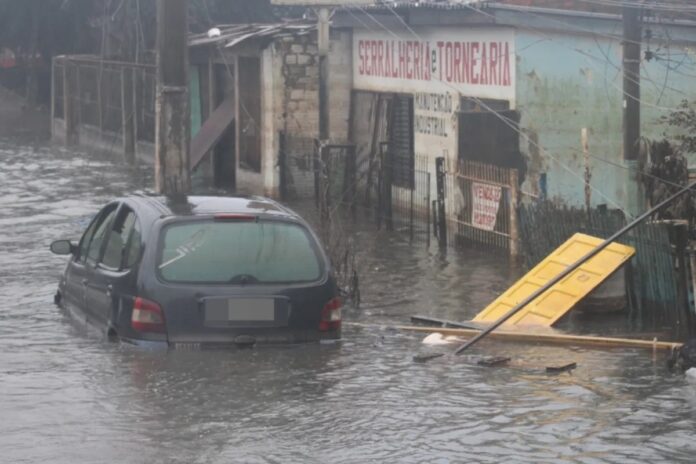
x=331, y=315
x=147, y=316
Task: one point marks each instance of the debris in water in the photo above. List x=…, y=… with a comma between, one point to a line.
x=559, y=369
x=437, y=338
x=493, y=361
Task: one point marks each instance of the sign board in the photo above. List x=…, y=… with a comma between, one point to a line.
x=477, y=62
x=486, y=201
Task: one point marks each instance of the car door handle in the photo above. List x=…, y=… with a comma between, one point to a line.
x=109, y=290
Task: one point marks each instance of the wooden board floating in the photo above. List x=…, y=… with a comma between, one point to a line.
x=539, y=337
x=563, y=339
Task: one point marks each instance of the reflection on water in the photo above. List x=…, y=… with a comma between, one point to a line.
x=68, y=396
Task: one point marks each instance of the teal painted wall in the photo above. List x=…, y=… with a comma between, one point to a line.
x=568, y=81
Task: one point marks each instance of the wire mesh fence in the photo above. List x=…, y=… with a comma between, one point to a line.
x=656, y=293
x=105, y=95
x=481, y=205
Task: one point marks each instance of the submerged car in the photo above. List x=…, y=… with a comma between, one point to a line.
x=204, y=271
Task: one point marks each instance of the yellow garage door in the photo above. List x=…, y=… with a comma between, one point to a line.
x=551, y=305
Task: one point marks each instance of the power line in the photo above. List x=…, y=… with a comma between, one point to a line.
x=514, y=127
x=650, y=5
x=512, y=124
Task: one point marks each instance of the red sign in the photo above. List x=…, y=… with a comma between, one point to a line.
x=486, y=201
x=457, y=62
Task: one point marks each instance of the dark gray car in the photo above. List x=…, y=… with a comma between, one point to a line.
x=207, y=271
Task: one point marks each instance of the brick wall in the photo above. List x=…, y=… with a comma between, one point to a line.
x=297, y=104
x=300, y=74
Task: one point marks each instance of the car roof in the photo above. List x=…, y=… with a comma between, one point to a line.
x=195, y=205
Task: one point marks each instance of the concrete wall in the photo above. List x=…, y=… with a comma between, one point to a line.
x=290, y=102
x=567, y=82
x=436, y=65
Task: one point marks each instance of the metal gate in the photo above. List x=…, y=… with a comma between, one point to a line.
x=481, y=205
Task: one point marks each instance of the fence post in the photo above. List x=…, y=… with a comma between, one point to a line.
x=282, y=165
x=427, y=210
x=127, y=115
x=514, y=198
x=352, y=177
x=441, y=218
x=318, y=147
x=53, y=95
x=323, y=183
x=680, y=237
x=386, y=164
x=68, y=107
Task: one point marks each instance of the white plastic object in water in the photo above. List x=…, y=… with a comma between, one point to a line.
x=691, y=374
x=437, y=338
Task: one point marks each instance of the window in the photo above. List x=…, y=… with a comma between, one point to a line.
x=238, y=253
x=116, y=249
x=87, y=237
x=489, y=133
x=134, y=246
x=401, y=141
x=100, y=234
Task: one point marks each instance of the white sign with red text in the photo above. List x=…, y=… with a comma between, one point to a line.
x=473, y=62
x=486, y=201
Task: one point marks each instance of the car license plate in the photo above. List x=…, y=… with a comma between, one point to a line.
x=241, y=310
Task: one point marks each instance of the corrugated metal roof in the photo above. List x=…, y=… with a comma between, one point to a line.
x=232, y=35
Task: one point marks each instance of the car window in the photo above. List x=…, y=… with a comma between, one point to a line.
x=100, y=234
x=115, y=249
x=134, y=246
x=89, y=233
x=238, y=252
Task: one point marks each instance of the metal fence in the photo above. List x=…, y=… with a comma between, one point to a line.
x=110, y=97
x=480, y=203
x=331, y=177
x=656, y=290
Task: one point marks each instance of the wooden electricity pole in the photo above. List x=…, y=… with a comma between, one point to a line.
x=324, y=136
x=173, y=131
x=632, y=36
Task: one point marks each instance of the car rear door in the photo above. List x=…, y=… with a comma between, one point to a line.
x=112, y=280
x=93, y=256
x=73, y=289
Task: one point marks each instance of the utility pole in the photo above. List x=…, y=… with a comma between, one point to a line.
x=632, y=36
x=173, y=131
x=323, y=49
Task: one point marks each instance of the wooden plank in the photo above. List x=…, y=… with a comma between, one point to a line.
x=212, y=130
x=549, y=337
x=553, y=304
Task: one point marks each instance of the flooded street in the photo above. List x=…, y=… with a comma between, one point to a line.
x=67, y=395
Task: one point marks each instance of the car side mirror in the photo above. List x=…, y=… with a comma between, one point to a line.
x=63, y=247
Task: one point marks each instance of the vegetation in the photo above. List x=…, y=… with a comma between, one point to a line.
x=683, y=119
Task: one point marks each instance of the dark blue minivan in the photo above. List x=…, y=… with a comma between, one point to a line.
x=203, y=271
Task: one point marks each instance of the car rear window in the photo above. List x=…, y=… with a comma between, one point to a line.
x=238, y=252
